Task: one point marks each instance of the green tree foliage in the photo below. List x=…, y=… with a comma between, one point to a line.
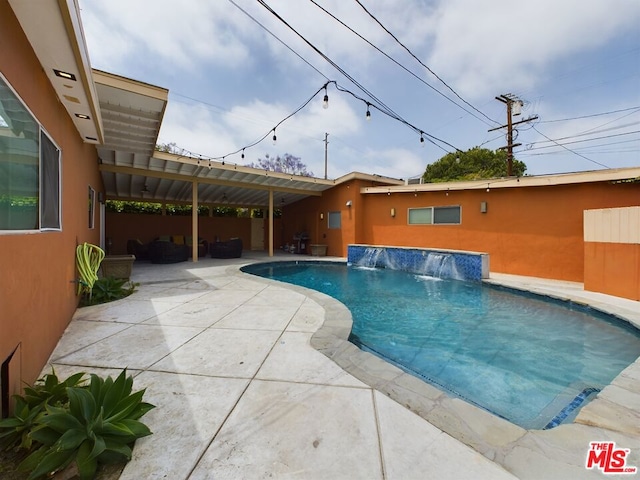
x=475, y=164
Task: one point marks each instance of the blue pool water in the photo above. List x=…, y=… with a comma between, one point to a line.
x=532, y=361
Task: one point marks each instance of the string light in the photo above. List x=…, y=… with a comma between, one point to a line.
x=423, y=135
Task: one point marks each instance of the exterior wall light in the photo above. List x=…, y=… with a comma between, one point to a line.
x=393, y=212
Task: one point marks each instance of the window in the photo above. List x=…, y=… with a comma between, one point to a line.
x=435, y=215
x=29, y=168
x=335, y=220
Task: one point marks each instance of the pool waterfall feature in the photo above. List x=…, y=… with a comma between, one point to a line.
x=447, y=264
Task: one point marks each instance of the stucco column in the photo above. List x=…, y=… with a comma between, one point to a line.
x=194, y=222
x=271, y=223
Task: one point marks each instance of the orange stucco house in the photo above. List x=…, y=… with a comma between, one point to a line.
x=71, y=137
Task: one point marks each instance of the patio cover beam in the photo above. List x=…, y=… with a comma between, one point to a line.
x=189, y=178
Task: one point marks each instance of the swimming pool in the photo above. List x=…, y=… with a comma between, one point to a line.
x=531, y=361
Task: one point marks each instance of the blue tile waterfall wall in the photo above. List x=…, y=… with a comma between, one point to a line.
x=471, y=266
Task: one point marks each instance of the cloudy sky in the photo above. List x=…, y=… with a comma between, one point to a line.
x=234, y=71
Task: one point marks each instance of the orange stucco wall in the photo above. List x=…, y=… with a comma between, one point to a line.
x=612, y=268
x=534, y=231
x=37, y=296
x=304, y=216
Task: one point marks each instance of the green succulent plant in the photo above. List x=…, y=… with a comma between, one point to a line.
x=87, y=424
x=50, y=390
x=14, y=431
x=108, y=289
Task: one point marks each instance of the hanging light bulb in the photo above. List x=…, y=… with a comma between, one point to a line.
x=325, y=100
x=222, y=160
x=242, y=156
x=368, y=114
x=421, y=139
x=275, y=139
x=209, y=164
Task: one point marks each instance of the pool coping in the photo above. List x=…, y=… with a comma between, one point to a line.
x=614, y=415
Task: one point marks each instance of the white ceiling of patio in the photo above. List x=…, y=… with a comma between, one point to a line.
x=133, y=170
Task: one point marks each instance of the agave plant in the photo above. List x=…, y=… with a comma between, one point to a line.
x=14, y=431
x=50, y=390
x=99, y=426
x=108, y=289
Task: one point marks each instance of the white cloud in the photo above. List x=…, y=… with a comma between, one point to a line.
x=212, y=134
x=486, y=46
x=169, y=34
x=393, y=162
x=211, y=52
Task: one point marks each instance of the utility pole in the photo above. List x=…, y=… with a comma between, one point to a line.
x=326, y=145
x=514, y=104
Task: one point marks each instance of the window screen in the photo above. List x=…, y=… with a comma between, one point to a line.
x=434, y=215
x=446, y=214
x=50, y=192
x=335, y=220
x=420, y=216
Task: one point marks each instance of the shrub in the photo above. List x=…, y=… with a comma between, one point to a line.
x=108, y=289
x=89, y=424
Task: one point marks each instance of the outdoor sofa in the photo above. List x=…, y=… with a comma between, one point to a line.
x=229, y=249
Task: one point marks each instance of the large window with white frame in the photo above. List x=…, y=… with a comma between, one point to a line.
x=448, y=215
x=30, y=172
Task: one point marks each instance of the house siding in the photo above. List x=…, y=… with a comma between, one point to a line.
x=37, y=293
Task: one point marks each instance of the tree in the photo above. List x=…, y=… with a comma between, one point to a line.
x=475, y=164
x=170, y=148
x=286, y=164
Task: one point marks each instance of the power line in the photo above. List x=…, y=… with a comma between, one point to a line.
x=421, y=63
x=278, y=39
x=326, y=58
x=395, y=61
x=568, y=149
x=381, y=107
x=592, y=115
x=530, y=145
x=303, y=105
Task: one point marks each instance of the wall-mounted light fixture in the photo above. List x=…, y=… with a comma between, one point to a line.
x=349, y=203
x=393, y=212
x=483, y=207
x=321, y=216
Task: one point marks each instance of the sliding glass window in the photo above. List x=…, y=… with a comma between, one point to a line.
x=29, y=168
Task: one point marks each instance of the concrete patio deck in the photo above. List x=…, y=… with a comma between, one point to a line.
x=241, y=392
